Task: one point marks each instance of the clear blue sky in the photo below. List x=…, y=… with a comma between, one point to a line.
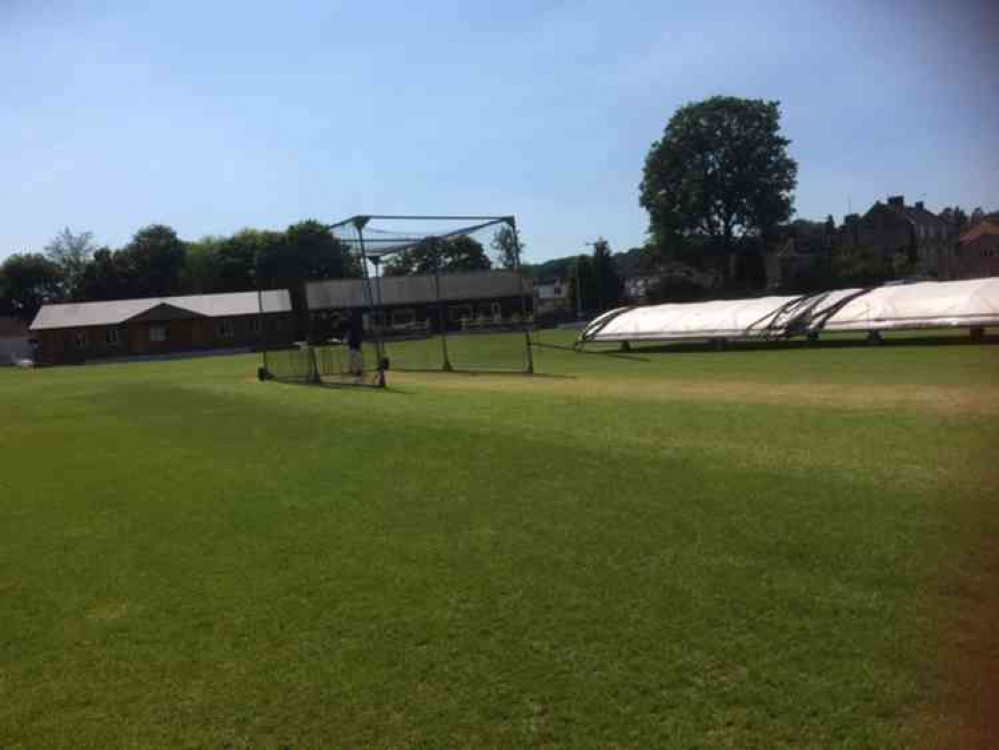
x=211, y=116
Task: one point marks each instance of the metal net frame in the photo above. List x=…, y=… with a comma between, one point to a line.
x=295, y=349
x=444, y=292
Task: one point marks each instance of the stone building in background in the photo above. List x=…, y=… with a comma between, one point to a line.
x=976, y=254
x=907, y=235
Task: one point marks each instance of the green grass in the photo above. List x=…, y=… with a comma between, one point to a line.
x=692, y=550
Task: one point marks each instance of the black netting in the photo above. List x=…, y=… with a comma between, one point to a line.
x=447, y=294
x=415, y=293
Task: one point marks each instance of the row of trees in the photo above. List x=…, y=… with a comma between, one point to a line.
x=156, y=262
x=459, y=253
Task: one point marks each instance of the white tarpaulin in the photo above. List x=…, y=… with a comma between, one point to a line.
x=930, y=304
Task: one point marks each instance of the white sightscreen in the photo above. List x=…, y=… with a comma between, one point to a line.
x=921, y=305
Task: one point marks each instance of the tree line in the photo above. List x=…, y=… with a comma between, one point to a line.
x=686, y=271
x=156, y=263
x=718, y=187
x=457, y=254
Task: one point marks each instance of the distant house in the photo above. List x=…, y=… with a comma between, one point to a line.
x=977, y=251
x=84, y=331
x=551, y=298
x=894, y=229
x=670, y=281
x=14, y=341
x=638, y=286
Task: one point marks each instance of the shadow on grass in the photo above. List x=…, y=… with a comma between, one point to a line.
x=480, y=373
x=614, y=354
x=389, y=388
x=833, y=343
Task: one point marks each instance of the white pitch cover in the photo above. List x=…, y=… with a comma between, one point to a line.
x=930, y=304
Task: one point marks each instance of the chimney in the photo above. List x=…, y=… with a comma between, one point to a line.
x=919, y=206
x=896, y=201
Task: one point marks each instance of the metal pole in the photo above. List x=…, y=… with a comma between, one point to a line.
x=523, y=295
x=425, y=217
x=310, y=336
x=446, y=366
x=378, y=280
x=416, y=240
x=379, y=351
x=263, y=373
x=379, y=319
x=377, y=261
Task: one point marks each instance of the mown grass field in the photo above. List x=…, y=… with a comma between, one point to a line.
x=745, y=549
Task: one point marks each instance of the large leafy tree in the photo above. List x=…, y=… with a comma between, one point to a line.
x=27, y=281
x=461, y=253
x=318, y=254
x=109, y=275
x=200, y=274
x=608, y=285
x=720, y=174
x=305, y=251
x=226, y=264
x=508, y=246
x=465, y=254
x=71, y=251
x=156, y=256
x=273, y=265
x=422, y=258
x=235, y=261
x=582, y=290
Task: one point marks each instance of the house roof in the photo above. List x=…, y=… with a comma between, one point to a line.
x=982, y=228
x=917, y=214
x=923, y=216
x=115, y=312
